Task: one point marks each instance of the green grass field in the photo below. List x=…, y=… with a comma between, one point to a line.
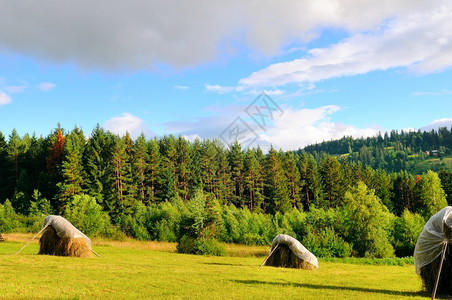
x=137, y=270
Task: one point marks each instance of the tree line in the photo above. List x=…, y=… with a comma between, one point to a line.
x=205, y=189
x=393, y=151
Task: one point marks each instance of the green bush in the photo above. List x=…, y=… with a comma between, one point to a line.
x=407, y=229
x=201, y=246
x=135, y=224
x=8, y=218
x=325, y=242
x=85, y=214
x=253, y=239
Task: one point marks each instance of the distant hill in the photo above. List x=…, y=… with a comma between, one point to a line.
x=413, y=151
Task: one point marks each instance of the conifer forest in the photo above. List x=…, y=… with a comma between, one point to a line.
x=365, y=197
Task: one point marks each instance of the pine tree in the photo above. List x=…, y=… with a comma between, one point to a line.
x=252, y=179
x=71, y=167
x=96, y=158
x=224, y=187
x=141, y=167
x=333, y=185
x=403, y=193
x=155, y=171
x=294, y=182
x=6, y=171
x=208, y=165
x=183, y=162
x=168, y=150
x=235, y=158
x=121, y=192
x=446, y=183
x=276, y=189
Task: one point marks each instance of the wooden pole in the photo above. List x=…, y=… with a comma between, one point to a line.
x=95, y=252
x=269, y=255
x=439, y=271
x=32, y=239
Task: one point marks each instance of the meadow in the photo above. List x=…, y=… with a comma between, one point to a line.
x=135, y=270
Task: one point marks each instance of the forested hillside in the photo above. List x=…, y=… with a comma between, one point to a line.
x=413, y=151
x=362, y=203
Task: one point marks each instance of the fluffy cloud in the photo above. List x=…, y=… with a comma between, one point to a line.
x=141, y=34
x=293, y=129
x=128, y=123
x=297, y=128
x=420, y=41
x=446, y=122
x=4, y=98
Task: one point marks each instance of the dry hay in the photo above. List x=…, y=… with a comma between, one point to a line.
x=1, y=238
x=430, y=272
x=285, y=258
x=52, y=244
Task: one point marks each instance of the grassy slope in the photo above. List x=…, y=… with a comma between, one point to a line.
x=147, y=270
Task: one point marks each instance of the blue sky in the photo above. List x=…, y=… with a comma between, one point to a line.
x=330, y=68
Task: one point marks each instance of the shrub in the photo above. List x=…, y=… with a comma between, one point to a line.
x=325, y=242
x=135, y=224
x=85, y=214
x=407, y=229
x=8, y=217
x=202, y=246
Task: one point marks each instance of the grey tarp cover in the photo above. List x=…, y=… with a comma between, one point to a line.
x=429, y=243
x=64, y=228
x=297, y=248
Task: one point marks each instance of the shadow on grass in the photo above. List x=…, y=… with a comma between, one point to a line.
x=339, y=288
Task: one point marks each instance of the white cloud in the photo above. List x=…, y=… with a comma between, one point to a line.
x=128, y=123
x=46, y=86
x=215, y=88
x=445, y=122
x=4, y=98
x=142, y=34
x=420, y=41
x=293, y=129
x=297, y=128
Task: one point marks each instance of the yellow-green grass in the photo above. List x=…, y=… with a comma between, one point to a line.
x=137, y=270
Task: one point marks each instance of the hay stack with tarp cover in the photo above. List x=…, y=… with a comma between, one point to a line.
x=288, y=252
x=61, y=238
x=437, y=233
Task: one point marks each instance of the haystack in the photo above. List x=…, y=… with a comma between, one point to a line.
x=288, y=252
x=61, y=238
x=428, y=254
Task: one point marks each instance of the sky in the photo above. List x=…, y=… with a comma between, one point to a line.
x=282, y=73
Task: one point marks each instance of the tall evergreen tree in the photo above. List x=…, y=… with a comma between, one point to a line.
x=155, y=171
x=294, y=182
x=235, y=157
x=7, y=181
x=276, y=188
x=252, y=180
x=183, y=162
x=121, y=193
x=140, y=168
x=333, y=186
x=96, y=159
x=71, y=167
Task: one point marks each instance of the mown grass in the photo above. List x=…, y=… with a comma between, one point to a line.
x=137, y=270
